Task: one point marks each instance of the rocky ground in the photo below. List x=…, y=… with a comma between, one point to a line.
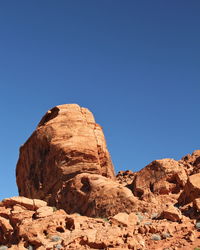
x=70, y=197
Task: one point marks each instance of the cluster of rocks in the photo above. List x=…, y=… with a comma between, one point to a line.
x=75, y=201
x=32, y=224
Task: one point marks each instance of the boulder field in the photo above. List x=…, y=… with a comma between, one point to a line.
x=70, y=198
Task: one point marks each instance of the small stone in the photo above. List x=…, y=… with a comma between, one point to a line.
x=30, y=247
x=58, y=246
x=155, y=237
x=3, y=247
x=148, y=223
x=55, y=238
x=140, y=217
x=197, y=225
x=166, y=235
x=154, y=216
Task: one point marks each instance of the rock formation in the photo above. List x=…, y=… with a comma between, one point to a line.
x=66, y=175
x=66, y=142
x=31, y=224
x=96, y=196
x=160, y=177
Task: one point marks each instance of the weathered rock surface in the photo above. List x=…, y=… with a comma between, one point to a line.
x=192, y=162
x=66, y=163
x=160, y=177
x=96, y=196
x=172, y=213
x=21, y=228
x=66, y=142
x=125, y=177
x=191, y=190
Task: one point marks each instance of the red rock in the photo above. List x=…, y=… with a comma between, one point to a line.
x=172, y=213
x=96, y=196
x=128, y=220
x=66, y=142
x=192, y=162
x=32, y=204
x=125, y=177
x=23, y=230
x=191, y=190
x=6, y=230
x=196, y=204
x=44, y=211
x=160, y=177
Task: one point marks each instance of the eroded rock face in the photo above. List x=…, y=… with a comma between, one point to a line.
x=192, y=161
x=66, y=142
x=160, y=177
x=24, y=226
x=96, y=196
x=191, y=190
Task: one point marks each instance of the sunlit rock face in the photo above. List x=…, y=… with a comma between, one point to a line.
x=66, y=142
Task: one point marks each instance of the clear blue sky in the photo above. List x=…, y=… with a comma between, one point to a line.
x=135, y=64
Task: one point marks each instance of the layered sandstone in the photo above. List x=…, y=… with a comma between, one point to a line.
x=66, y=142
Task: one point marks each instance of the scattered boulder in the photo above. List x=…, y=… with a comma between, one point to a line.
x=32, y=204
x=160, y=177
x=172, y=213
x=124, y=219
x=191, y=190
x=96, y=196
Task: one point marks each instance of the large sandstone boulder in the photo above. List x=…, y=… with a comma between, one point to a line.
x=66, y=142
x=96, y=196
x=191, y=190
x=160, y=177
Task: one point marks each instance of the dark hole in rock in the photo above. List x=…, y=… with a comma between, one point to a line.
x=86, y=185
x=139, y=193
x=69, y=224
x=49, y=115
x=45, y=232
x=151, y=187
x=60, y=229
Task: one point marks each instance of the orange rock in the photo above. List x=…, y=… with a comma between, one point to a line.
x=172, y=213
x=192, y=162
x=44, y=211
x=6, y=230
x=191, y=190
x=128, y=220
x=66, y=142
x=196, y=204
x=160, y=177
x=96, y=196
x=32, y=204
x=59, y=230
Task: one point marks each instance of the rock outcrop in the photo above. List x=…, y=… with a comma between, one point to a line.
x=66, y=142
x=160, y=177
x=24, y=225
x=66, y=170
x=191, y=190
x=96, y=196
